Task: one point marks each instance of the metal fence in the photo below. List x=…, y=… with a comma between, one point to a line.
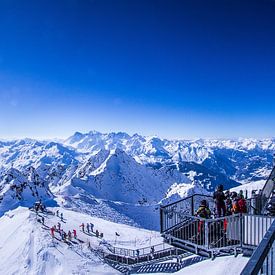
x=263, y=259
x=210, y=234
x=174, y=214
x=139, y=252
x=146, y=254
x=253, y=228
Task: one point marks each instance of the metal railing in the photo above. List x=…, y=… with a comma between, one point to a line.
x=254, y=228
x=175, y=213
x=209, y=234
x=267, y=190
x=263, y=259
x=140, y=251
x=147, y=254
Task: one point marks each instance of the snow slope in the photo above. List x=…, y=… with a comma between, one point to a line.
x=120, y=178
x=26, y=246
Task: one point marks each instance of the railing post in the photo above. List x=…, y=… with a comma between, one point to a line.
x=192, y=206
x=161, y=219
x=206, y=234
x=241, y=229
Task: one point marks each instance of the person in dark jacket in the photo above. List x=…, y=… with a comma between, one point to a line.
x=219, y=198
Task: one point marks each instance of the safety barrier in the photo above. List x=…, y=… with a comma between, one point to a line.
x=263, y=259
x=209, y=234
x=254, y=228
x=175, y=213
x=140, y=251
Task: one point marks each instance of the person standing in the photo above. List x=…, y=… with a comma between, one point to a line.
x=52, y=231
x=92, y=227
x=69, y=235
x=219, y=198
x=82, y=226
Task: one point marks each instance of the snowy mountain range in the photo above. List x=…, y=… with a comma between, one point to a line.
x=116, y=176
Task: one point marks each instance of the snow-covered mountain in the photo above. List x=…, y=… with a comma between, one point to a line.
x=18, y=189
x=114, y=180
x=209, y=161
x=114, y=175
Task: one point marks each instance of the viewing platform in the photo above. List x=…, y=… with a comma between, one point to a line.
x=225, y=235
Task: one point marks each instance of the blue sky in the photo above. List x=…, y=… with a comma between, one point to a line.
x=190, y=68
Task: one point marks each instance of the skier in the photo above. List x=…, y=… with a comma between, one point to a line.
x=137, y=252
x=57, y=213
x=203, y=211
x=58, y=226
x=97, y=233
x=240, y=195
x=74, y=233
x=52, y=231
x=88, y=228
x=228, y=205
x=82, y=226
x=242, y=205
x=43, y=220
x=219, y=198
x=69, y=235
x=235, y=205
x=152, y=252
x=61, y=216
x=92, y=227
x=101, y=235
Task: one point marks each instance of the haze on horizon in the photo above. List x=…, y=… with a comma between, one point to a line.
x=188, y=69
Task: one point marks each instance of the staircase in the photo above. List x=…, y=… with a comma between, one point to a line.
x=268, y=195
x=126, y=261
x=156, y=268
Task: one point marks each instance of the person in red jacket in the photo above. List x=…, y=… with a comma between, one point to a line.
x=74, y=233
x=52, y=231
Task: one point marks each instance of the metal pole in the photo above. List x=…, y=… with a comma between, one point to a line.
x=206, y=234
x=192, y=205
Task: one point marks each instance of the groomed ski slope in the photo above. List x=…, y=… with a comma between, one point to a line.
x=26, y=247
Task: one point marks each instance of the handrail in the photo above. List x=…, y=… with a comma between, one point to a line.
x=131, y=252
x=186, y=198
x=256, y=261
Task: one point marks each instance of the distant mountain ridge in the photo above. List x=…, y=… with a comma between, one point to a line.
x=113, y=175
x=241, y=160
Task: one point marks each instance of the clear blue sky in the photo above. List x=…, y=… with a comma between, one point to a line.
x=186, y=68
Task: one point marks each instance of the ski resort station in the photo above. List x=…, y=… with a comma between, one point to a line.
x=189, y=239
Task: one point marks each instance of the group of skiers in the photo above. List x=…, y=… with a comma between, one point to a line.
x=61, y=215
x=64, y=236
x=39, y=206
x=226, y=203
x=90, y=229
